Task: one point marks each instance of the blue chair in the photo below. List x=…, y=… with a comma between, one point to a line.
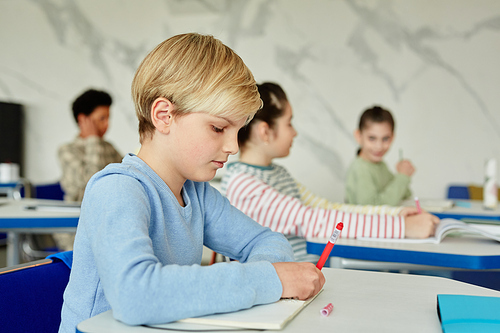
x=52, y=191
x=39, y=246
x=31, y=294
x=458, y=192
x=49, y=191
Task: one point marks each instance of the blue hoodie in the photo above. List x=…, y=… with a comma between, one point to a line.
x=138, y=252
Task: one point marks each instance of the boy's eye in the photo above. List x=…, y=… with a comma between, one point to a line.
x=217, y=129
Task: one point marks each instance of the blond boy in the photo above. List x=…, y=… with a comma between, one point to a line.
x=144, y=221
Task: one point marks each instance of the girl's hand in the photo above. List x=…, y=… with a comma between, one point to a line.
x=408, y=211
x=420, y=225
x=405, y=167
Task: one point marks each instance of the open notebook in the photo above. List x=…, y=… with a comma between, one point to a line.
x=273, y=316
x=445, y=227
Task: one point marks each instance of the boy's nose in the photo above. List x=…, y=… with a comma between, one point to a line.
x=231, y=145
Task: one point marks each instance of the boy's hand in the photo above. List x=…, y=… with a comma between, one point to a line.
x=87, y=126
x=420, y=225
x=405, y=167
x=299, y=279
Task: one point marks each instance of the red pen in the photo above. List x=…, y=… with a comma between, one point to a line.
x=418, y=205
x=329, y=246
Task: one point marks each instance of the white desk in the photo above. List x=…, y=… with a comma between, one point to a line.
x=363, y=302
x=15, y=219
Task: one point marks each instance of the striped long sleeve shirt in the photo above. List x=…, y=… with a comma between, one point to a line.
x=272, y=197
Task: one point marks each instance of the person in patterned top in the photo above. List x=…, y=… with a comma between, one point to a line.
x=88, y=153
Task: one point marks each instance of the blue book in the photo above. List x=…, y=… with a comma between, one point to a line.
x=463, y=313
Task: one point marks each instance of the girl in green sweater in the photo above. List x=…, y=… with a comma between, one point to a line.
x=369, y=181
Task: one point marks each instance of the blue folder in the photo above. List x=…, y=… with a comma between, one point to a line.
x=463, y=313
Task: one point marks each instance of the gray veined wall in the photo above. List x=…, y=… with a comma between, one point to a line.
x=435, y=64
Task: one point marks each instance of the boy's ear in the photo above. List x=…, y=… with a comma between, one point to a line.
x=80, y=117
x=357, y=136
x=161, y=114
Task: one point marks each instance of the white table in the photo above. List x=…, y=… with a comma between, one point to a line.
x=363, y=302
x=16, y=219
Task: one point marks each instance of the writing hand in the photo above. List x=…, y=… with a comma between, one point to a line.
x=299, y=279
x=420, y=225
x=408, y=211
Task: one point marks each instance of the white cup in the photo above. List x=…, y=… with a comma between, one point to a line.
x=14, y=172
x=9, y=172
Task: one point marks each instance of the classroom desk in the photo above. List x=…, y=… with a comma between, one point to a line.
x=470, y=211
x=476, y=253
x=363, y=302
x=15, y=219
x=13, y=189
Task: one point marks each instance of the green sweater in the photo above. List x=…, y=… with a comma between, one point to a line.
x=373, y=184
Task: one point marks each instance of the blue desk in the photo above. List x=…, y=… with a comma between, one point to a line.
x=473, y=253
x=470, y=211
x=13, y=189
x=466, y=210
x=16, y=219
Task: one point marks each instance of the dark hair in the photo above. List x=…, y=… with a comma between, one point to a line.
x=273, y=106
x=89, y=100
x=375, y=114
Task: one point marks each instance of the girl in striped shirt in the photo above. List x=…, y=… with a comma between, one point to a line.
x=267, y=192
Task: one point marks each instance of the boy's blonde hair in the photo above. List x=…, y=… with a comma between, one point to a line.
x=197, y=73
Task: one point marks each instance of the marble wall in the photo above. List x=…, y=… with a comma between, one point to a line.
x=435, y=64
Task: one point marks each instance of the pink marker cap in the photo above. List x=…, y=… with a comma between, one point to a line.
x=327, y=310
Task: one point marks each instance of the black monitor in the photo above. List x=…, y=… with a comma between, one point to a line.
x=12, y=134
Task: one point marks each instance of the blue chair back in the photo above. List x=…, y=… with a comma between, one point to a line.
x=31, y=296
x=458, y=192
x=49, y=191
x=32, y=246
x=52, y=191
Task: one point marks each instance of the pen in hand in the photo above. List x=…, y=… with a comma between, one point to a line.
x=417, y=203
x=329, y=246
